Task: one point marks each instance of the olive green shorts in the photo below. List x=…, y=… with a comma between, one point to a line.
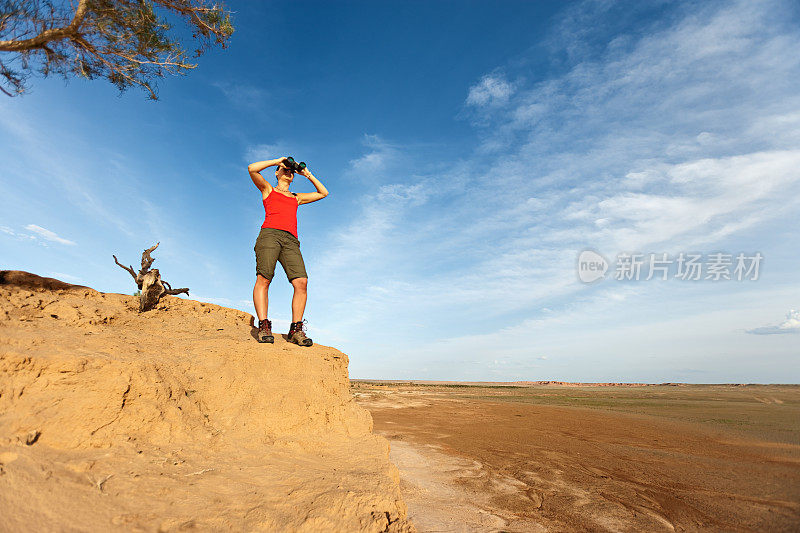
x=274, y=245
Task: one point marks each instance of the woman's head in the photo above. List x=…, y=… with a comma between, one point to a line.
x=284, y=174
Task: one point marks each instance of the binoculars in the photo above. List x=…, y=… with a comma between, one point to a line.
x=293, y=165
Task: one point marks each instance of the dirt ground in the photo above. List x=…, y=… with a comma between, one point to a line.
x=560, y=458
x=176, y=419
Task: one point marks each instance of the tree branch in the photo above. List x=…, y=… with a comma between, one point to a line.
x=112, y=67
x=174, y=292
x=46, y=36
x=170, y=290
x=125, y=41
x=146, y=259
x=129, y=269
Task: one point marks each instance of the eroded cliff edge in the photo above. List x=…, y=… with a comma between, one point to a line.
x=176, y=419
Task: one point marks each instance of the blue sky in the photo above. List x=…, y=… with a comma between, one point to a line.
x=472, y=151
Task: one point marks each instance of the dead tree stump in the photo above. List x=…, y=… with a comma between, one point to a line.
x=152, y=287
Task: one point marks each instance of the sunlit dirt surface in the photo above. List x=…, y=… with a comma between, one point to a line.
x=561, y=458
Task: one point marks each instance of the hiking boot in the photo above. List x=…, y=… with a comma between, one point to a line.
x=297, y=334
x=265, y=331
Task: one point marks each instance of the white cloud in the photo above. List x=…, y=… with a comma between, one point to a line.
x=266, y=151
x=65, y=277
x=790, y=325
x=48, y=235
x=242, y=95
x=17, y=235
x=663, y=140
x=492, y=90
x=377, y=163
x=680, y=137
x=705, y=200
x=42, y=236
x=363, y=241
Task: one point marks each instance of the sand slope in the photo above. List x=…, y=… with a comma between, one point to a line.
x=176, y=419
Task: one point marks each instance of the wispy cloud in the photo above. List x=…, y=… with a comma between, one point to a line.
x=40, y=235
x=41, y=147
x=379, y=161
x=243, y=95
x=17, y=235
x=491, y=90
x=65, y=277
x=265, y=151
x=365, y=239
x=790, y=325
x=48, y=235
x=656, y=142
x=632, y=149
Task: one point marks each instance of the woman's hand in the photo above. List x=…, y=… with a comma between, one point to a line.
x=305, y=172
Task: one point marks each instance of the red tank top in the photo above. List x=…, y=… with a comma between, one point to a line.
x=280, y=212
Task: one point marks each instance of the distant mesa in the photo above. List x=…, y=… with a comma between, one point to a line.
x=534, y=383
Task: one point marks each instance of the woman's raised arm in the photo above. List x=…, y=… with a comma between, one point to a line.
x=308, y=197
x=254, y=170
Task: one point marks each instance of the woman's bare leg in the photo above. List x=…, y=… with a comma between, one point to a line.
x=299, y=298
x=260, y=300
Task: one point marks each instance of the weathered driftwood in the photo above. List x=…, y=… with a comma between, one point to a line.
x=152, y=287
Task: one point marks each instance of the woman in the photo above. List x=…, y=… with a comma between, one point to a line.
x=278, y=241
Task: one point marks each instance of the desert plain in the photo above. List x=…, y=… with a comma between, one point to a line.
x=583, y=457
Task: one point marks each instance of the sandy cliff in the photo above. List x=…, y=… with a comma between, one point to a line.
x=176, y=419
